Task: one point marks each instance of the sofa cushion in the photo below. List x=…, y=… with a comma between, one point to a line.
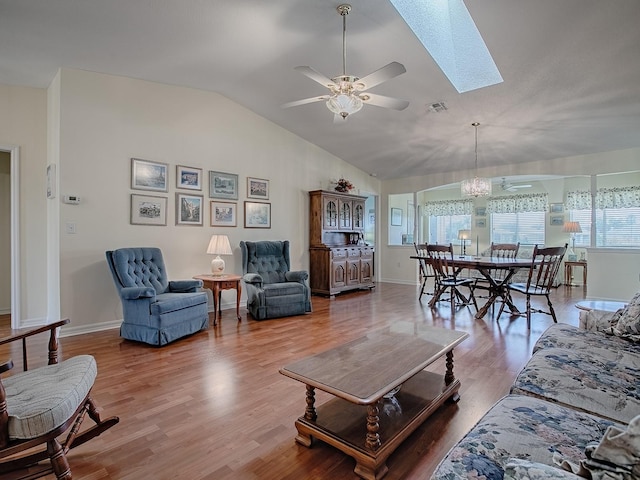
x=606, y=385
x=171, y=302
x=286, y=288
x=561, y=335
x=42, y=399
x=519, y=427
x=525, y=469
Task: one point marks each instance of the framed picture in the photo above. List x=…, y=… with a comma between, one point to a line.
x=188, y=177
x=188, y=209
x=556, y=208
x=481, y=211
x=148, y=210
x=51, y=180
x=257, y=188
x=481, y=223
x=146, y=175
x=223, y=214
x=257, y=215
x=223, y=185
x=557, y=220
x=396, y=216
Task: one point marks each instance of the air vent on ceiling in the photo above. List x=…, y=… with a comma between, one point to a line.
x=437, y=107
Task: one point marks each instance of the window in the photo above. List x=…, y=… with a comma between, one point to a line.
x=528, y=228
x=444, y=229
x=617, y=227
x=617, y=216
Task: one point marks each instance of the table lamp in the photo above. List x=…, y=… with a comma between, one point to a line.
x=219, y=245
x=572, y=228
x=464, y=235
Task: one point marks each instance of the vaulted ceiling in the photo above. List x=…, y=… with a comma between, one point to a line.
x=571, y=71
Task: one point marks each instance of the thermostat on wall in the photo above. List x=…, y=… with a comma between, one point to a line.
x=72, y=199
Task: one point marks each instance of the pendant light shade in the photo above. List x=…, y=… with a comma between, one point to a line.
x=477, y=186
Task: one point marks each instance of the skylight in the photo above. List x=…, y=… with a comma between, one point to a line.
x=449, y=34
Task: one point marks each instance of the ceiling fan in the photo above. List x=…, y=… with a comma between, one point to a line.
x=510, y=187
x=348, y=93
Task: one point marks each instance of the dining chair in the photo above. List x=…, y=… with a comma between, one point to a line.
x=426, y=270
x=448, y=277
x=545, y=264
x=497, y=250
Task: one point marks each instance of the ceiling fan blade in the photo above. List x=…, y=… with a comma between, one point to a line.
x=381, y=75
x=316, y=76
x=382, y=101
x=304, y=101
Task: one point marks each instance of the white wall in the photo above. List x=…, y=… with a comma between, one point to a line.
x=624, y=280
x=23, y=123
x=106, y=120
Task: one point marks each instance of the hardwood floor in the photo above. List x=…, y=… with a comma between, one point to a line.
x=213, y=405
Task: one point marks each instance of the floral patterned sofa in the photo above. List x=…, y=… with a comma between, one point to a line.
x=572, y=412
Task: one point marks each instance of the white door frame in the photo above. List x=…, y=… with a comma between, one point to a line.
x=14, y=151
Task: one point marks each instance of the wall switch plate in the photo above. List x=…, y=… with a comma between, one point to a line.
x=70, y=227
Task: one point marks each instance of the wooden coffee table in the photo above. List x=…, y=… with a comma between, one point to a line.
x=360, y=421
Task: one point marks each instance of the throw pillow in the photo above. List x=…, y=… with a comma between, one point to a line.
x=628, y=324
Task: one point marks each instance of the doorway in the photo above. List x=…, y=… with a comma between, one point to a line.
x=9, y=236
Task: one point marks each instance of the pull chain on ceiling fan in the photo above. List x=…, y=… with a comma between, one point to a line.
x=347, y=92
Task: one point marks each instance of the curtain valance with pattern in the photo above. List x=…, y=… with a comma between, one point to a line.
x=621, y=197
x=444, y=208
x=578, y=200
x=533, y=202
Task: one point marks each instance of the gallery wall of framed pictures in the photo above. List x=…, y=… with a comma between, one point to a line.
x=151, y=208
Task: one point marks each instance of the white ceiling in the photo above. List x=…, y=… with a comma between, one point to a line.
x=571, y=71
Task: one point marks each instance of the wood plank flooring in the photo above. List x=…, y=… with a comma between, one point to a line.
x=213, y=405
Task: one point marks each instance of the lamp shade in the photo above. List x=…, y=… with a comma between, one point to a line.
x=219, y=245
x=572, y=227
x=464, y=234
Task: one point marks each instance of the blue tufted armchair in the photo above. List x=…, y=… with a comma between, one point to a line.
x=156, y=311
x=272, y=289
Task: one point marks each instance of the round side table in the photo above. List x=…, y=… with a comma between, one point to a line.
x=606, y=305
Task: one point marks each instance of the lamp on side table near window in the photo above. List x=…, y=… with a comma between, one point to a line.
x=572, y=228
x=219, y=245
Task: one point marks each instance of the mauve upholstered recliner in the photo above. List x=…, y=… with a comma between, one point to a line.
x=272, y=289
x=156, y=311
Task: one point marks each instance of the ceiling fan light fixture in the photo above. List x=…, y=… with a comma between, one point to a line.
x=477, y=186
x=344, y=104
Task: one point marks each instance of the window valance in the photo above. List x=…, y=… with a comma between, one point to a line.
x=444, y=208
x=578, y=200
x=621, y=197
x=533, y=202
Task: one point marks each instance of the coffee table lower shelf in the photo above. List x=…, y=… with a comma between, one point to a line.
x=349, y=427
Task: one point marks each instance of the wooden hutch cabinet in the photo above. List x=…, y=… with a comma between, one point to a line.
x=339, y=259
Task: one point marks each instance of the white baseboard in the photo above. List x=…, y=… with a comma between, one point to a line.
x=70, y=330
x=399, y=282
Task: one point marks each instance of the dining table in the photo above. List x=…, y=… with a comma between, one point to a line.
x=486, y=266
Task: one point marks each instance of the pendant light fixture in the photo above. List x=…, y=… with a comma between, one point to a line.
x=477, y=186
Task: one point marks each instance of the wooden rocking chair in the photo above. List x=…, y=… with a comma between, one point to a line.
x=38, y=406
